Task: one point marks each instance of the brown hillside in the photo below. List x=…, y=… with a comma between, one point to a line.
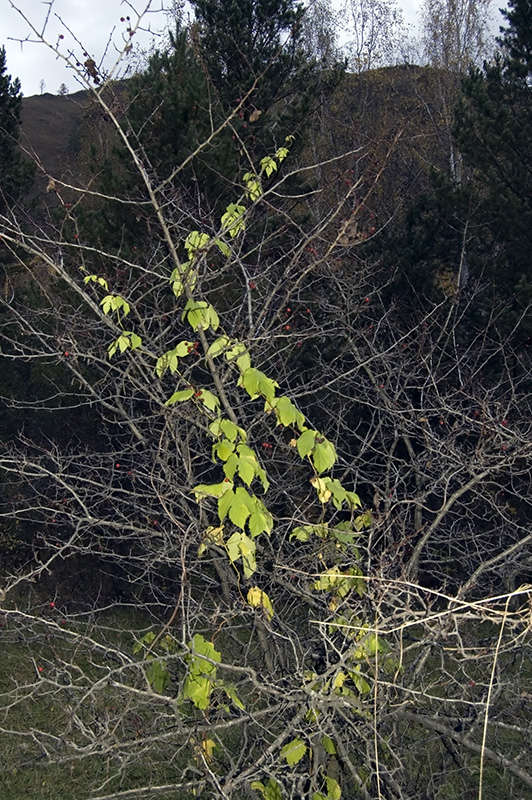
x=51, y=127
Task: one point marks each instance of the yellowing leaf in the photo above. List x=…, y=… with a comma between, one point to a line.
x=339, y=680
x=324, y=494
x=257, y=598
x=207, y=745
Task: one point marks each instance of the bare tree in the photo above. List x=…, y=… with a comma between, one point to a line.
x=142, y=656
x=455, y=35
x=377, y=30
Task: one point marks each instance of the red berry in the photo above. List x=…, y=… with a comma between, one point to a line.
x=67, y=352
x=117, y=466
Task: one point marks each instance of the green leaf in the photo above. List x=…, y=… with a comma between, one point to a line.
x=223, y=450
x=224, y=247
x=328, y=745
x=253, y=186
x=158, y=676
x=212, y=489
x=324, y=455
x=200, y=314
x=243, y=362
x=239, y=354
x=208, y=399
x=324, y=493
x=146, y=640
x=240, y=507
x=333, y=789
x=241, y=546
x=218, y=346
x=268, y=165
x=305, y=443
x=166, y=361
x=90, y=278
x=361, y=683
x=294, y=751
x=233, y=219
x=183, y=348
x=256, y=383
x=260, y=520
x=285, y=411
x=199, y=682
x=232, y=695
x=198, y=689
x=228, y=429
x=180, y=397
x=231, y=466
x=202, y=647
x=196, y=241
x=115, y=303
x=125, y=340
x=270, y=791
x=181, y=276
x=302, y=533
x=226, y=500
x=364, y=520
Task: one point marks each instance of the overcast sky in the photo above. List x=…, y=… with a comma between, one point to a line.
x=95, y=23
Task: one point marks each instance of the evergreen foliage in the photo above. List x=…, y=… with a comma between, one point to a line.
x=494, y=133
x=16, y=175
x=243, y=43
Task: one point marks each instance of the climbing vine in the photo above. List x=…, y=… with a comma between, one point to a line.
x=238, y=500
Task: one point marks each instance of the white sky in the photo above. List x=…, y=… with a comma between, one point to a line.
x=95, y=23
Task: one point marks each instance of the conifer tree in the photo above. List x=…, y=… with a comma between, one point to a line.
x=494, y=133
x=15, y=173
x=242, y=41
